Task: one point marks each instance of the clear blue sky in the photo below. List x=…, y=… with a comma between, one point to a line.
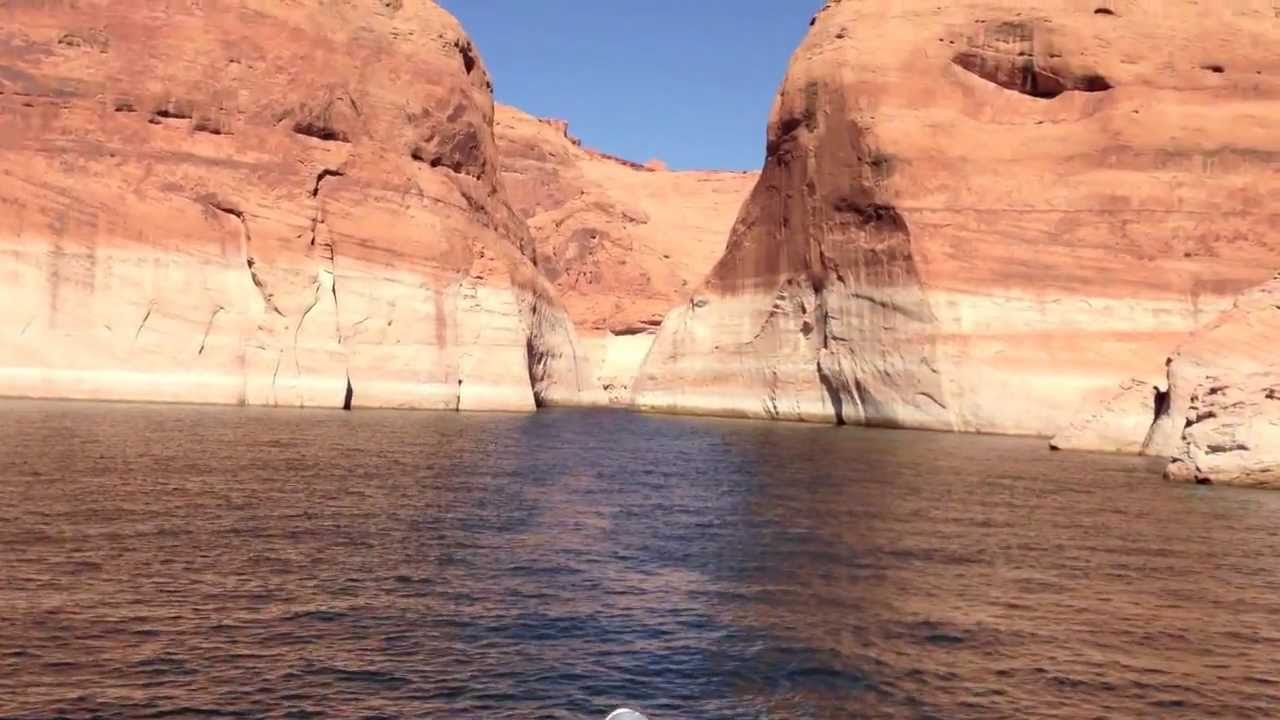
x=687, y=81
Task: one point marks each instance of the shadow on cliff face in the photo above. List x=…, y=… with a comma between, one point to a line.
x=823, y=214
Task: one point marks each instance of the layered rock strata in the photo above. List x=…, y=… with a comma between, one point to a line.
x=980, y=216
x=621, y=242
x=266, y=203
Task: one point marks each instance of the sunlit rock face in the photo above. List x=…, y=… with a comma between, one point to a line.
x=1219, y=418
x=261, y=202
x=982, y=216
x=1118, y=423
x=621, y=242
x=1223, y=415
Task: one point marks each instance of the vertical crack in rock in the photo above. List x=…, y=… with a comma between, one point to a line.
x=242, y=358
x=531, y=362
x=548, y=336
x=783, y=304
x=838, y=382
x=298, y=329
x=466, y=298
x=146, y=316
x=337, y=313
x=246, y=239
x=275, y=375
x=328, y=246
x=207, y=328
x=328, y=253
x=824, y=377
x=262, y=288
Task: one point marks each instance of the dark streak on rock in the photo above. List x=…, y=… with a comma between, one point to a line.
x=320, y=131
x=323, y=175
x=207, y=328
x=145, y=317
x=248, y=259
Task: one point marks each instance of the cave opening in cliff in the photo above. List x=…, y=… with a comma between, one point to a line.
x=1024, y=75
x=320, y=131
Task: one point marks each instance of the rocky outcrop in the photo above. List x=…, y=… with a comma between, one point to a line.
x=1223, y=415
x=975, y=215
x=621, y=242
x=263, y=203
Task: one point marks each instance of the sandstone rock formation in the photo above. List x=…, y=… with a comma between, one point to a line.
x=260, y=202
x=1119, y=423
x=1223, y=415
x=622, y=243
x=979, y=215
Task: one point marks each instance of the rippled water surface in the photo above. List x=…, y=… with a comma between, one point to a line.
x=206, y=562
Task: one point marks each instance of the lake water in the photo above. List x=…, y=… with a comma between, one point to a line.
x=225, y=562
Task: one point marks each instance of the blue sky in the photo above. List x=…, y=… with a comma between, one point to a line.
x=687, y=81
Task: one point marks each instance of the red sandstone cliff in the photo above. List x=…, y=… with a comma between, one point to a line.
x=621, y=242
x=981, y=215
x=261, y=202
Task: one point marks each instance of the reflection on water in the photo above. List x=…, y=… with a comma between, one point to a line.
x=200, y=562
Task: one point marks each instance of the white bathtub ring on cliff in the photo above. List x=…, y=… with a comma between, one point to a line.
x=625, y=714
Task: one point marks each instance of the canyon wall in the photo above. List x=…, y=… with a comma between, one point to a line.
x=621, y=242
x=1219, y=418
x=1223, y=412
x=983, y=216
x=249, y=201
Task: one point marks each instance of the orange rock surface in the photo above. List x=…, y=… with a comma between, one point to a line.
x=252, y=201
x=983, y=215
x=622, y=242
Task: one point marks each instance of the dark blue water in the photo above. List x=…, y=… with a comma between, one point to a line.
x=203, y=562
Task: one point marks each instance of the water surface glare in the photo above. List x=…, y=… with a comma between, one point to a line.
x=226, y=562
